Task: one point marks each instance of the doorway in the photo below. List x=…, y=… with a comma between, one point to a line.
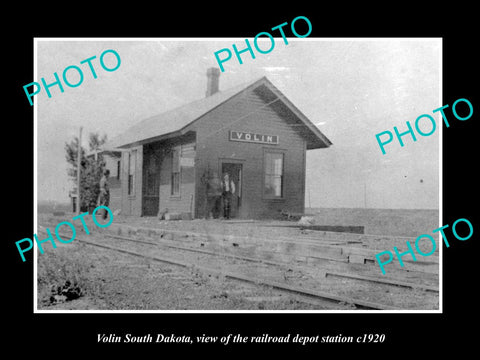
x=234, y=170
x=151, y=182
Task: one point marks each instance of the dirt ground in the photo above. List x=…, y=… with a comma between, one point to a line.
x=113, y=281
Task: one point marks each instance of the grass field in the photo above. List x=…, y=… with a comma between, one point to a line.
x=398, y=222
x=45, y=206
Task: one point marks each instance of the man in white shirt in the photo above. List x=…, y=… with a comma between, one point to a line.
x=228, y=190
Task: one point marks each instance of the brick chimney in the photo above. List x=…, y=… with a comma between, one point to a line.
x=212, y=81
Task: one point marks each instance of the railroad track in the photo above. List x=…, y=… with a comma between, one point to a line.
x=311, y=294
x=315, y=248
x=251, y=270
x=171, y=244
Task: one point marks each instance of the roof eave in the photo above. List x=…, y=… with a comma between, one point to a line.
x=319, y=141
x=323, y=141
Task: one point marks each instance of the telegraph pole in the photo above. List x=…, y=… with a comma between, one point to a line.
x=79, y=162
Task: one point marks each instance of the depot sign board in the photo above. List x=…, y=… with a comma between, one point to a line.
x=253, y=138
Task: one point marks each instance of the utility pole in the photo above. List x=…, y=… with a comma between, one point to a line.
x=79, y=162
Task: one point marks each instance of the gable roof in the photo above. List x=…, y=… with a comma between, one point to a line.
x=174, y=122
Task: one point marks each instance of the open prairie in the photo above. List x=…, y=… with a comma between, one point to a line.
x=397, y=222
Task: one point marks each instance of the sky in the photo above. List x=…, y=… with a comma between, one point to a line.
x=351, y=89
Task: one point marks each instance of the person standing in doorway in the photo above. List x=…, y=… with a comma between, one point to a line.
x=104, y=196
x=214, y=196
x=228, y=190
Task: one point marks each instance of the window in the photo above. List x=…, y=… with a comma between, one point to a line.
x=118, y=170
x=132, y=157
x=273, y=175
x=175, y=181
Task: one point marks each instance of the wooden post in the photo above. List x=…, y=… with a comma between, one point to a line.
x=79, y=162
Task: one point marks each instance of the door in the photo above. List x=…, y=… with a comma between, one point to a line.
x=151, y=183
x=234, y=170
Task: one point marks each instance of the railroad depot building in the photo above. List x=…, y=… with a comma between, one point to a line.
x=251, y=131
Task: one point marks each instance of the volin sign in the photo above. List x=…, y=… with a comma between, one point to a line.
x=253, y=138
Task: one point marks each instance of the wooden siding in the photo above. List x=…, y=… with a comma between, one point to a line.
x=115, y=198
x=184, y=202
x=247, y=112
x=132, y=204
